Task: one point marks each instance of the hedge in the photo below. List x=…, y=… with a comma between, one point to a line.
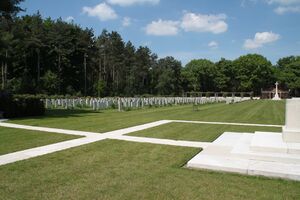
x=20, y=105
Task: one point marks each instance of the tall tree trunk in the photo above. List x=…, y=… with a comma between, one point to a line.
x=38, y=67
x=59, y=63
x=59, y=74
x=113, y=73
x=117, y=80
x=104, y=65
x=2, y=75
x=84, y=64
x=5, y=69
x=100, y=69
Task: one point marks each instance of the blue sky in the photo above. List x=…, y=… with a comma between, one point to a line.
x=189, y=29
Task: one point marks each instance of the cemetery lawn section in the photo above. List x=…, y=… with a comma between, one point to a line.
x=258, y=112
x=12, y=140
x=197, y=132
x=112, y=169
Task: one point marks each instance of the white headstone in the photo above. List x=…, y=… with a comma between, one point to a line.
x=119, y=104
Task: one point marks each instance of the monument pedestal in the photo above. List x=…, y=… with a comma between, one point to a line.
x=263, y=153
x=290, y=135
x=291, y=130
x=276, y=97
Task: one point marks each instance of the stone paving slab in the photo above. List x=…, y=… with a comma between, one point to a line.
x=274, y=169
x=273, y=142
x=136, y=128
x=228, y=139
x=239, y=157
x=163, y=141
x=242, y=149
x=245, y=166
x=219, y=163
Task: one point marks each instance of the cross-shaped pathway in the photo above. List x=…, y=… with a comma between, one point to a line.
x=90, y=137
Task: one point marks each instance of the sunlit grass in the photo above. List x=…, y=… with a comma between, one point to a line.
x=12, y=140
x=197, y=132
x=125, y=170
x=261, y=112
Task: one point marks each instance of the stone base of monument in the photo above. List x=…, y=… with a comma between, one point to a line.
x=262, y=153
x=290, y=135
x=276, y=98
x=291, y=130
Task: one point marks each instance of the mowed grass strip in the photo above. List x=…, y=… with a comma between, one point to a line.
x=112, y=169
x=197, y=132
x=259, y=112
x=12, y=140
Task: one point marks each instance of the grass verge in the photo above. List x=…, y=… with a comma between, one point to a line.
x=12, y=140
x=197, y=132
x=258, y=112
x=113, y=169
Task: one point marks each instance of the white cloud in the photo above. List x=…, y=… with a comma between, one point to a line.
x=190, y=22
x=285, y=6
x=162, y=28
x=213, y=44
x=103, y=11
x=69, y=19
x=260, y=39
x=132, y=2
x=204, y=23
x=287, y=9
x=126, y=21
x=283, y=2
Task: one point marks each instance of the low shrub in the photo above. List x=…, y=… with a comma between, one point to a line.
x=20, y=105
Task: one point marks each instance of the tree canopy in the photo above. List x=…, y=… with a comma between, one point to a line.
x=9, y=8
x=49, y=56
x=288, y=73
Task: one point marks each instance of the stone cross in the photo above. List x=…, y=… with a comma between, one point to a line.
x=276, y=97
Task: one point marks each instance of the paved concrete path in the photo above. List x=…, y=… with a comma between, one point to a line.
x=39, y=151
x=90, y=137
x=50, y=130
x=163, y=141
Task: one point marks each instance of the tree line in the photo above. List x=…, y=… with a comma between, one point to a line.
x=46, y=56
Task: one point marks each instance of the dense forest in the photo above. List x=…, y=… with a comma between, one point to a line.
x=46, y=56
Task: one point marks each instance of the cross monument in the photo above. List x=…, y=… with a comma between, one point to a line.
x=276, y=97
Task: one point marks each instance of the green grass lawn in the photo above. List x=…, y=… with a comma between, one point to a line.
x=113, y=169
x=196, y=132
x=262, y=112
x=12, y=140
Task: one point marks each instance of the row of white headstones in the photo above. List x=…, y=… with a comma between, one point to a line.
x=128, y=103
